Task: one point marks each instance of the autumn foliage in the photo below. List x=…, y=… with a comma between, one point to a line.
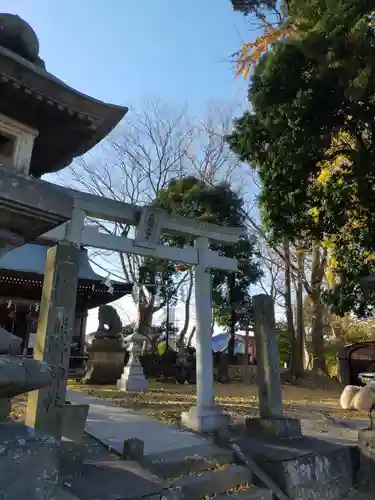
x=250, y=53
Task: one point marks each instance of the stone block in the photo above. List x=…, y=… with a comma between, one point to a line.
x=221, y=437
x=304, y=468
x=274, y=427
x=74, y=418
x=365, y=475
x=28, y=463
x=133, y=449
x=71, y=459
x=205, y=419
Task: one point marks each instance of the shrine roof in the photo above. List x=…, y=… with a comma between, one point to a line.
x=22, y=271
x=69, y=122
x=31, y=258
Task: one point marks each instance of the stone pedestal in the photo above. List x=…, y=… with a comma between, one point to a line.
x=54, y=336
x=106, y=361
x=132, y=378
x=272, y=422
x=29, y=463
x=274, y=427
x=205, y=419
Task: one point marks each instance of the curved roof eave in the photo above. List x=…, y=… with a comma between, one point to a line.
x=53, y=79
x=40, y=82
x=31, y=258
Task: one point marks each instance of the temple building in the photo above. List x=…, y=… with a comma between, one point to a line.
x=44, y=125
x=21, y=283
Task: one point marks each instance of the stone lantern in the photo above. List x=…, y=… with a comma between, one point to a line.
x=44, y=125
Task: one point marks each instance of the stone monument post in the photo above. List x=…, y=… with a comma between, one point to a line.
x=206, y=416
x=271, y=422
x=54, y=336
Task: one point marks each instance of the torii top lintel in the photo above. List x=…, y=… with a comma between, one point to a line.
x=116, y=211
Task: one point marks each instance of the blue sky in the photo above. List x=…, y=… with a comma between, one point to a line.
x=127, y=51
x=123, y=51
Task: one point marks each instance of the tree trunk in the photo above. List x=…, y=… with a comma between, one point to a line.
x=246, y=357
x=191, y=336
x=289, y=310
x=317, y=339
x=232, y=329
x=300, y=330
x=317, y=334
x=184, y=329
x=145, y=312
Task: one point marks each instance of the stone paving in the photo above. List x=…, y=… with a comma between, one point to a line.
x=112, y=425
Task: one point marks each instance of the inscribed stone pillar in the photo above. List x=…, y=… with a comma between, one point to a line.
x=272, y=422
x=54, y=336
x=268, y=365
x=206, y=416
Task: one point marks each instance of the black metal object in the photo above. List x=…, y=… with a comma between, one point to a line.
x=354, y=359
x=166, y=367
x=146, y=277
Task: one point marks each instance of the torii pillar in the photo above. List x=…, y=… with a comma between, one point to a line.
x=206, y=416
x=55, y=328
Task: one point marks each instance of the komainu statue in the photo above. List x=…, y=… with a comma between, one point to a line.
x=358, y=398
x=110, y=325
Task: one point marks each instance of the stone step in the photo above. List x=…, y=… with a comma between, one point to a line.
x=185, y=461
x=252, y=493
x=115, y=480
x=64, y=495
x=306, y=467
x=213, y=482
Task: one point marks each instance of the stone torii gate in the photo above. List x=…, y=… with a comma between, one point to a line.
x=53, y=338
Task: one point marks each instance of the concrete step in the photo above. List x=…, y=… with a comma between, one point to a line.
x=252, y=493
x=187, y=460
x=213, y=482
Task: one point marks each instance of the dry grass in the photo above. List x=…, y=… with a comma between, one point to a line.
x=308, y=400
